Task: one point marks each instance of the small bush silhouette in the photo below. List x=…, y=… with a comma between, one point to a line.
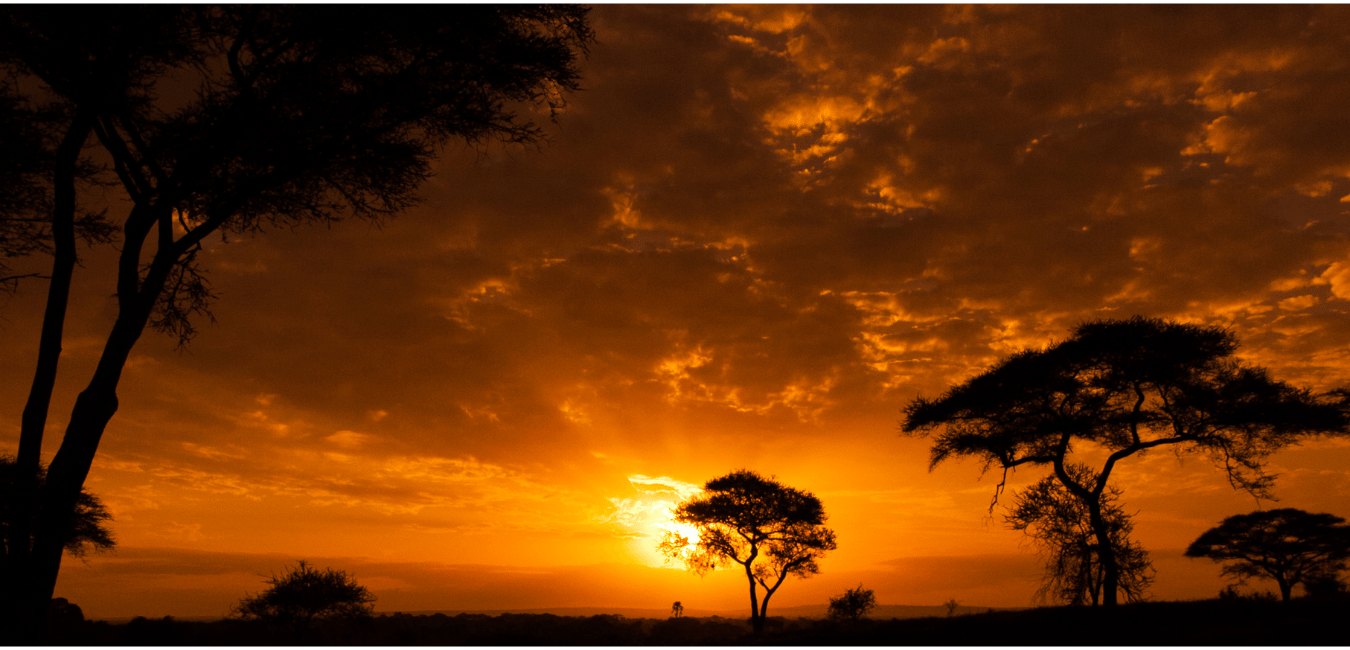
x=853, y=605
x=87, y=531
x=303, y=594
x=1230, y=593
x=1325, y=586
x=64, y=622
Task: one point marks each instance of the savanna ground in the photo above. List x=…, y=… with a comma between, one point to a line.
x=1232, y=622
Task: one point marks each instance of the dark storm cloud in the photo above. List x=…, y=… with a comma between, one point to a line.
x=815, y=201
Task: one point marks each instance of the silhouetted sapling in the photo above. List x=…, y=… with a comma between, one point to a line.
x=677, y=609
x=1287, y=545
x=1123, y=387
x=771, y=530
x=1059, y=523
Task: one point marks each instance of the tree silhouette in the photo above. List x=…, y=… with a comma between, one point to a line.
x=1059, y=523
x=1287, y=545
x=229, y=120
x=677, y=609
x=87, y=529
x=771, y=530
x=302, y=594
x=1123, y=387
x=852, y=605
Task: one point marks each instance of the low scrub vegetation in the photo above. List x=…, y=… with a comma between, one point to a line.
x=1232, y=621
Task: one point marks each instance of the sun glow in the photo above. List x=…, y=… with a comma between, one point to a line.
x=645, y=519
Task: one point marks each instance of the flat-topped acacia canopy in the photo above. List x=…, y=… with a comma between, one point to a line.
x=1125, y=386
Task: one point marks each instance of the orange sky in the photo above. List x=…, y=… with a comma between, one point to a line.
x=754, y=237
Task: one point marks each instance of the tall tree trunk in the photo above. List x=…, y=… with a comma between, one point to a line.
x=1286, y=588
x=764, y=606
x=94, y=408
x=1106, y=554
x=756, y=623
x=18, y=570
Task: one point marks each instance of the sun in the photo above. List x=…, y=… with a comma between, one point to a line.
x=644, y=519
x=662, y=521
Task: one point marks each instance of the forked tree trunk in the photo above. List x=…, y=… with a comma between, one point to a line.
x=35, y=576
x=1093, y=500
x=768, y=593
x=763, y=611
x=37, y=573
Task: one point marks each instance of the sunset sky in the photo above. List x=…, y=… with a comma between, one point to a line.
x=754, y=236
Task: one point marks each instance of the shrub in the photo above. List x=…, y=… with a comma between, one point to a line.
x=853, y=605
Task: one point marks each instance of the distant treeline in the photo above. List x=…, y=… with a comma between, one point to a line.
x=1212, y=622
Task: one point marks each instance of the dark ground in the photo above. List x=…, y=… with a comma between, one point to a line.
x=1210, y=622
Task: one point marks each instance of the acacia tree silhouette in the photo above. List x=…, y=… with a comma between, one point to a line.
x=1287, y=545
x=1059, y=523
x=229, y=120
x=1123, y=386
x=771, y=530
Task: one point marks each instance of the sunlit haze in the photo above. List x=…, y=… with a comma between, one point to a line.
x=752, y=238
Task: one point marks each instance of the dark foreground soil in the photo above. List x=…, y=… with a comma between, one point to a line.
x=1211, y=622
